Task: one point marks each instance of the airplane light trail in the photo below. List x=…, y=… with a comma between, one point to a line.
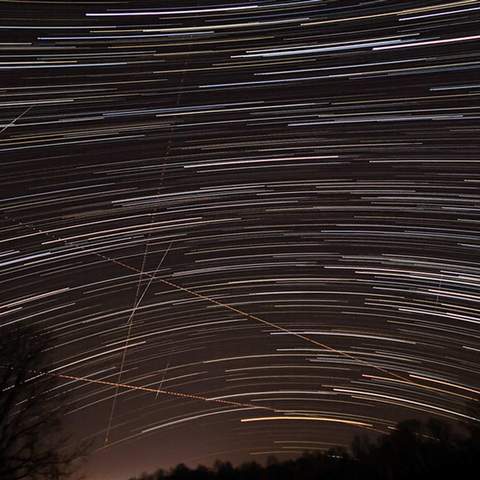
x=220, y=208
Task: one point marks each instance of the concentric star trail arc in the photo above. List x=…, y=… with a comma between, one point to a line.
x=248, y=225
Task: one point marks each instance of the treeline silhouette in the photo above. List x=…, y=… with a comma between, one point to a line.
x=414, y=450
x=33, y=444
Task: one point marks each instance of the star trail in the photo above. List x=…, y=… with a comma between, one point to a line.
x=251, y=226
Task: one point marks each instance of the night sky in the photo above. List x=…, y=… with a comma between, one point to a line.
x=253, y=227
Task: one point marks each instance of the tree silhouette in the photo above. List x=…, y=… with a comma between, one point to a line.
x=32, y=445
x=413, y=450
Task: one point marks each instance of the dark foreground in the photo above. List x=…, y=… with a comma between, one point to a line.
x=414, y=450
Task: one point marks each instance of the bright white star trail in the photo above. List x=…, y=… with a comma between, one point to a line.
x=249, y=225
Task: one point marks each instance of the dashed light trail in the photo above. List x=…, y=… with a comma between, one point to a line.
x=251, y=226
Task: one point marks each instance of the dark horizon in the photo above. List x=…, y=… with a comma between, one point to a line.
x=250, y=226
x=413, y=450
